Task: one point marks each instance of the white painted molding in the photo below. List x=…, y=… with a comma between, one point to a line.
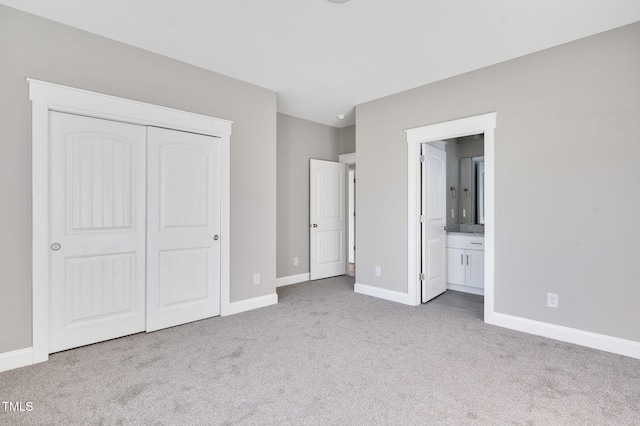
x=84, y=102
x=485, y=124
x=601, y=342
x=47, y=97
x=452, y=129
x=16, y=359
x=347, y=158
x=382, y=293
x=292, y=279
x=250, y=304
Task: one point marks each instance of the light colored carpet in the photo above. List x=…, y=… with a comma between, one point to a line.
x=327, y=356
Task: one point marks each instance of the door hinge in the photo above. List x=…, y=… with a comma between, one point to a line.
x=421, y=158
x=421, y=218
x=422, y=277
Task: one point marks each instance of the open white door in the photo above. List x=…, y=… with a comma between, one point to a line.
x=327, y=219
x=434, y=279
x=97, y=219
x=183, y=228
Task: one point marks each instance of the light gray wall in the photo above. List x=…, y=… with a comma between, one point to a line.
x=347, y=140
x=41, y=49
x=566, y=194
x=471, y=146
x=298, y=141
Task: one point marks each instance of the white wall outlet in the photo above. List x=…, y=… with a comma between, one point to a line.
x=378, y=271
x=464, y=212
x=295, y=261
x=552, y=300
x=453, y=212
x=256, y=279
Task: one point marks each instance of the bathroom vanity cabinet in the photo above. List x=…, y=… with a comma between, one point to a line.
x=465, y=262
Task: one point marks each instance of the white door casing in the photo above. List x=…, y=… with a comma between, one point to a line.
x=327, y=219
x=486, y=125
x=183, y=228
x=97, y=220
x=433, y=261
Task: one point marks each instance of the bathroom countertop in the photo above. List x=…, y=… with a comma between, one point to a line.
x=479, y=234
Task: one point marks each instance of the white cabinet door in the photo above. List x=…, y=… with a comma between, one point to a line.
x=475, y=268
x=456, y=267
x=434, y=202
x=183, y=228
x=327, y=219
x=97, y=227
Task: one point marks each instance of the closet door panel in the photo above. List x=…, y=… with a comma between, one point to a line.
x=97, y=230
x=183, y=227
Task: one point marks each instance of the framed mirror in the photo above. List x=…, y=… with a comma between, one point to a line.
x=471, y=208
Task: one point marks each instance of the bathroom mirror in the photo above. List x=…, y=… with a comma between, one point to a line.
x=471, y=207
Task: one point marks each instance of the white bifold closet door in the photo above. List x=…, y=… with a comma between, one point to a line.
x=97, y=225
x=183, y=227
x=134, y=220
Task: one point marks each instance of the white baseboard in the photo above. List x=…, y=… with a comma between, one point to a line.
x=16, y=359
x=292, y=279
x=250, y=304
x=601, y=342
x=466, y=289
x=382, y=293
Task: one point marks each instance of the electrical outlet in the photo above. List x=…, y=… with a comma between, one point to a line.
x=295, y=261
x=464, y=212
x=378, y=271
x=256, y=279
x=552, y=300
x=453, y=212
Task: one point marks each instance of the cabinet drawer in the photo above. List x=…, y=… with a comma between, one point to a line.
x=465, y=242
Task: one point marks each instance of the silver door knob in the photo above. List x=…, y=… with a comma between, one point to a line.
x=55, y=246
x=216, y=238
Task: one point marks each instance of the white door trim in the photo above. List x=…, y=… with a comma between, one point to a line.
x=47, y=97
x=486, y=124
x=349, y=158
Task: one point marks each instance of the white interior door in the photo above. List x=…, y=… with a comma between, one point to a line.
x=327, y=219
x=183, y=228
x=97, y=230
x=434, y=220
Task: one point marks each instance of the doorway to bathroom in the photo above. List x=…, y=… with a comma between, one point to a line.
x=428, y=247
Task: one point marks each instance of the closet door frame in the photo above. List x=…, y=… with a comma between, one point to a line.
x=46, y=97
